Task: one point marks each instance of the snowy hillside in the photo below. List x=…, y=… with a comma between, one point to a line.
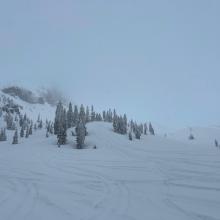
x=152, y=178
x=203, y=135
x=45, y=110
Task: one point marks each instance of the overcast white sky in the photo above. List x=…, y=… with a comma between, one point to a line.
x=156, y=60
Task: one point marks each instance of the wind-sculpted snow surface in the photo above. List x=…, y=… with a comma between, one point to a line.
x=154, y=178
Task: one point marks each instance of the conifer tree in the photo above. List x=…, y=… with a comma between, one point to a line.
x=62, y=129
x=82, y=114
x=87, y=115
x=21, y=121
x=130, y=136
x=9, y=121
x=40, y=125
x=80, y=134
x=137, y=133
x=75, y=116
x=27, y=132
x=15, y=137
x=22, y=132
x=30, y=130
x=58, y=116
x=70, y=116
x=92, y=114
x=104, y=115
x=38, y=118
x=145, y=128
x=191, y=137
x=3, y=136
x=151, y=130
x=125, y=124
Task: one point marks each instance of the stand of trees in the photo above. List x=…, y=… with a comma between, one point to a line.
x=71, y=117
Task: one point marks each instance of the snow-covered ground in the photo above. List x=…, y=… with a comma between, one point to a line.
x=154, y=178
x=203, y=135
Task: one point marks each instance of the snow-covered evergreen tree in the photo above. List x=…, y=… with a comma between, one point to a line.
x=137, y=133
x=191, y=137
x=3, y=136
x=38, y=118
x=9, y=121
x=58, y=116
x=70, y=116
x=80, y=134
x=75, y=115
x=82, y=114
x=92, y=114
x=145, y=128
x=27, y=132
x=40, y=125
x=30, y=129
x=151, y=130
x=87, y=114
x=15, y=137
x=130, y=136
x=104, y=115
x=62, y=129
x=22, y=132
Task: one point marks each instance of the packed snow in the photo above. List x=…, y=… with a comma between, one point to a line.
x=152, y=178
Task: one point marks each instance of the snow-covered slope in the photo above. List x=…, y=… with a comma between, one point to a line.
x=154, y=178
x=203, y=135
x=45, y=110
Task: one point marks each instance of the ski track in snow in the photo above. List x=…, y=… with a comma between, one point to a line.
x=153, y=178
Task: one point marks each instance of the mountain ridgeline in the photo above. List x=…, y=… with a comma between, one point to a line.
x=50, y=96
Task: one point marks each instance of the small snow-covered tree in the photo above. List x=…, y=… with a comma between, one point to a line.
x=82, y=114
x=30, y=129
x=138, y=134
x=9, y=121
x=70, y=116
x=27, y=132
x=3, y=136
x=92, y=114
x=15, y=137
x=145, y=128
x=151, y=130
x=130, y=136
x=22, y=132
x=191, y=137
x=75, y=115
x=38, y=118
x=87, y=114
x=104, y=115
x=40, y=124
x=62, y=129
x=58, y=116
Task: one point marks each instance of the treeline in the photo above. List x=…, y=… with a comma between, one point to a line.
x=69, y=117
x=20, y=124
x=122, y=126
